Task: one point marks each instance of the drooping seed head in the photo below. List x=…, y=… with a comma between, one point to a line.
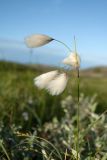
x=73, y=60
x=43, y=80
x=37, y=40
x=57, y=85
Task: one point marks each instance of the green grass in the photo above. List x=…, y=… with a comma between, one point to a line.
x=18, y=93
x=19, y=96
x=94, y=86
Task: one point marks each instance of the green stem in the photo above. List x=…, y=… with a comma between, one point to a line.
x=89, y=149
x=65, y=155
x=78, y=110
x=4, y=150
x=30, y=56
x=75, y=45
x=63, y=44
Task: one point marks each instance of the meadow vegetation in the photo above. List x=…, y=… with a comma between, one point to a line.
x=31, y=120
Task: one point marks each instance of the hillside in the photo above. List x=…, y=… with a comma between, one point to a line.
x=95, y=72
x=90, y=72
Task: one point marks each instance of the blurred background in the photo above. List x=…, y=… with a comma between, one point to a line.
x=25, y=108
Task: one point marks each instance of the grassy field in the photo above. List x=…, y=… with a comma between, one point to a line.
x=26, y=108
x=17, y=89
x=17, y=93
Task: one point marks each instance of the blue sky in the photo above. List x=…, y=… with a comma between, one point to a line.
x=61, y=19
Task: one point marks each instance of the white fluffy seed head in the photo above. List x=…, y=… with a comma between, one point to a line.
x=43, y=80
x=73, y=59
x=37, y=40
x=57, y=85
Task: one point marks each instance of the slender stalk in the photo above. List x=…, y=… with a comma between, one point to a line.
x=65, y=155
x=89, y=149
x=30, y=56
x=4, y=150
x=63, y=44
x=78, y=91
x=78, y=95
x=78, y=119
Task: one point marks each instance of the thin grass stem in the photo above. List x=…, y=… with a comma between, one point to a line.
x=64, y=45
x=4, y=150
x=78, y=110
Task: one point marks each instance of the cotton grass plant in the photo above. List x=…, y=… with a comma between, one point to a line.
x=55, y=82
x=25, y=137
